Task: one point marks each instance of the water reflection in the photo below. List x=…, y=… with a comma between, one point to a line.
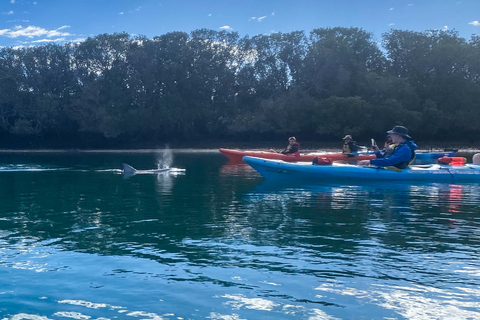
x=233, y=168
x=218, y=243
x=392, y=197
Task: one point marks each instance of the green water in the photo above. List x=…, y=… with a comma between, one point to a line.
x=79, y=240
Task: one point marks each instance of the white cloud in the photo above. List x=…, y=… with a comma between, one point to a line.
x=136, y=9
x=273, y=13
x=391, y=24
x=391, y=9
x=410, y=5
x=32, y=32
x=8, y=12
x=48, y=40
x=474, y=23
x=78, y=40
x=445, y=28
x=121, y=13
x=12, y=1
x=209, y=14
x=259, y=19
x=226, y=28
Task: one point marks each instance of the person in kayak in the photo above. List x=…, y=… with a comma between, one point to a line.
x=403, y=150
x=349, y=145
x=292, y=147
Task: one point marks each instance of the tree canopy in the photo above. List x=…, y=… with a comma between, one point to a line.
x=115, y=88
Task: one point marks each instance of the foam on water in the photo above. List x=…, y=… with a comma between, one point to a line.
x=165, y=158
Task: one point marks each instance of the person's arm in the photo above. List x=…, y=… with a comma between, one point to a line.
x=401, y=154
x=353, y=147
x=380, y=154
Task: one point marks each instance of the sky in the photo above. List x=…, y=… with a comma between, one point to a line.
x=38, y=22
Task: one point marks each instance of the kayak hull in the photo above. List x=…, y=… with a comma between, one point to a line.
x=237, y=155
x=302, y=171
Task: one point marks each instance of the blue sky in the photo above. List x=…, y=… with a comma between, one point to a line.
x=27, y=22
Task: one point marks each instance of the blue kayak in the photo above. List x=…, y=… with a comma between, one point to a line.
x=304, y=171
x=431, y=157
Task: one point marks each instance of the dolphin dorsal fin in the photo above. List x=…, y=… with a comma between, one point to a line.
x=128, y=168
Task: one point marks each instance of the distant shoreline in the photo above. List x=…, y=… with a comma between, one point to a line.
x=190, y=150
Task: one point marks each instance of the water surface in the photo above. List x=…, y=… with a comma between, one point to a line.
x=79, y=240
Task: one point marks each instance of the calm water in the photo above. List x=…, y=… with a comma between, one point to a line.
x=78, y=240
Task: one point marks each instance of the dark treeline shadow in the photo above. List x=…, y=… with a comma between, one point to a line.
x=118, y=90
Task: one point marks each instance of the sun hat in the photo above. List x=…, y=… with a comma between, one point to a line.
x=347, y=137
x=400, y=130
x=292, y=139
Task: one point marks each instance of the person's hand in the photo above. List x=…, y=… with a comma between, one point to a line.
x=363, y=162
x=375, y=148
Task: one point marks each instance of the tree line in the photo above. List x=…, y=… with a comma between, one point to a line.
x=115, y=89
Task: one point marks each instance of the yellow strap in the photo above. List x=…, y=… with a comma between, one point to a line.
x=393, y=169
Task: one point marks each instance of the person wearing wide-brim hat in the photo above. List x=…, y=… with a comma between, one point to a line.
x=349, y=145
x=403, y=150
x=292, y=147
x=401, y=131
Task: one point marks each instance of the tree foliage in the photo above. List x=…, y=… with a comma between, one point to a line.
x=208, y=84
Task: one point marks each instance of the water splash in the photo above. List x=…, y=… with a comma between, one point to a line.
x=165, y=158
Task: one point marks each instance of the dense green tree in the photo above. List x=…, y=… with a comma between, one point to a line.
x=338, y=60
x=114, y=88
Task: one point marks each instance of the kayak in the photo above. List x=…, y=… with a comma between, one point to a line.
x=431, y=157
x=303, y=171
x=237, y=155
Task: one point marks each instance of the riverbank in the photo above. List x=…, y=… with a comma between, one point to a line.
x=212, y=145
x=203, y=150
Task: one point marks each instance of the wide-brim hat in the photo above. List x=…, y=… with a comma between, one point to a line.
x=347, y=137
x=400, y=130
x=292, y=139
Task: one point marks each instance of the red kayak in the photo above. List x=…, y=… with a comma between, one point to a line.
x=237, y=155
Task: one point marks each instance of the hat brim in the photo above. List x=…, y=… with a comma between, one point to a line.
x=400, y=134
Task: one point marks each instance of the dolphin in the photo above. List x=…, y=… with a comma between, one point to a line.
x=129, y=170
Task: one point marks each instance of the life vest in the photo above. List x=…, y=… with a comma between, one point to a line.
x=295, y=146
x=401, y=165
x=349, y=147
x=389, y=150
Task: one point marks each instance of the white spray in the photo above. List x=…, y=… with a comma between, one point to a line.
x=165, y=158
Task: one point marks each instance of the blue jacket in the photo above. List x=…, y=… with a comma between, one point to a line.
x=400, y=158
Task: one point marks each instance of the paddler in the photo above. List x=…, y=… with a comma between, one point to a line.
x=292, y=147
x=349, y=145
x=402, y=151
